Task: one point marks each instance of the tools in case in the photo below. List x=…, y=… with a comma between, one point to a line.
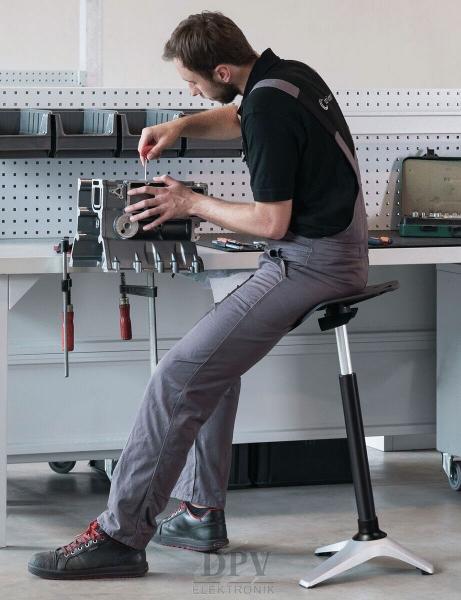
x=431, y=196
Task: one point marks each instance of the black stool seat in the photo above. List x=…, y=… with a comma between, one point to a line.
x=338, y=311
x=369, y=292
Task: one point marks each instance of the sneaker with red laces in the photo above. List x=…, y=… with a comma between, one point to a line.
x=184, y=529
x=93, y=554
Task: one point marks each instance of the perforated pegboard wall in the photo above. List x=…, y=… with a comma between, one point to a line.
x=377, y=101
x=380, y=158
x=68, y=97
x=41, y=78
x=399, y=101
x=38, y=196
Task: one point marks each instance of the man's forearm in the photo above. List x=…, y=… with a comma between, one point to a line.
x=214, y=124
x=236, y=216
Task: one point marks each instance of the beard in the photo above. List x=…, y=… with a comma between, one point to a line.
x=225, y=92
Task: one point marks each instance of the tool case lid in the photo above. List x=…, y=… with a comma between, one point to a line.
x=431, y=186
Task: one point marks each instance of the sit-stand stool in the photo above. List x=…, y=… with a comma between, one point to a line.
x=370, y=541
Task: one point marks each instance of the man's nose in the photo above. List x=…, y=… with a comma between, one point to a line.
x=193, y=90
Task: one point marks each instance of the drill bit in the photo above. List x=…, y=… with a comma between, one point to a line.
x=145, y=170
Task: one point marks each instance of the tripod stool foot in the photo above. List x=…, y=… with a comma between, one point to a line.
x=353, y=553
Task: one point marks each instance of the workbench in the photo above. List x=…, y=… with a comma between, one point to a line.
x=23, y=263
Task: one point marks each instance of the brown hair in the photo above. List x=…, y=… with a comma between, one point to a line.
x=207, y=39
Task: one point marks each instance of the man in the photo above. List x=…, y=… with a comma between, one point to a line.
x=308, y=201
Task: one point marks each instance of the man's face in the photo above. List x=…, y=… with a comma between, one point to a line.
x=213, y=89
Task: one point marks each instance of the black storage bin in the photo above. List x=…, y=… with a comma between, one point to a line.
x=24, y=133
x=199, y=148
x=202, y=148
x=84, y=133
x=309, y=462
x=131, y=124
x=239, y=476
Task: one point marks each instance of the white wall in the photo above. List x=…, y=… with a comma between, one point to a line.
x=40, y=36
x=353, y=43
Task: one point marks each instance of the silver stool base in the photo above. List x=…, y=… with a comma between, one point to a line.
x=350, y=553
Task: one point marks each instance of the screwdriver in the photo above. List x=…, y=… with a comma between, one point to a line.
x=382, y=240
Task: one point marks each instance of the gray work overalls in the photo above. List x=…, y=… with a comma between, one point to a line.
x=181, y=441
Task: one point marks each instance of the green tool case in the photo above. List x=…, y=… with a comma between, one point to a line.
x=431, y=196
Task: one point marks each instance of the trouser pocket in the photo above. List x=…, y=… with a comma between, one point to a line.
x=234, y=290
x=290, y=254
x=274, y=256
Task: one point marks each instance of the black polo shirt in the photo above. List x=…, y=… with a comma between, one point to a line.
x=291, y=155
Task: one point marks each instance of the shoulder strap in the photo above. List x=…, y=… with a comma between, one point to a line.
x=318, y=99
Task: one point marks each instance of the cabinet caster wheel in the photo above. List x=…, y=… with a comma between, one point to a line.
x=62, y=467
x=455, y=476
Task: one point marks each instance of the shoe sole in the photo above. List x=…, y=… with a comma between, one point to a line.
x=102, y=572
x=190, y=544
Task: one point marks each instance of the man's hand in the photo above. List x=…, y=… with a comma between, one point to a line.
x=174, y=201
x=154, y=140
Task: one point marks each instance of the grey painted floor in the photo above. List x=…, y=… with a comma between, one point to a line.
x=276, y=526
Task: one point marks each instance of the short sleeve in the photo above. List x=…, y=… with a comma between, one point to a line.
x=274, y=143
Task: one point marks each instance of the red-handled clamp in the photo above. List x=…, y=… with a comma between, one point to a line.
x=125, y=319
x=67, y=329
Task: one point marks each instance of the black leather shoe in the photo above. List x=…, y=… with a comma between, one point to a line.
x=93, y=554
x=183, y=529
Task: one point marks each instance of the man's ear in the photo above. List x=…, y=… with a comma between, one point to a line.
x=222, y=73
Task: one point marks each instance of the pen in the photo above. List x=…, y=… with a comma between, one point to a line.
x=225, y=244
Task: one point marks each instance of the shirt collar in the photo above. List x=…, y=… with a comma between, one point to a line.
x=266, y=61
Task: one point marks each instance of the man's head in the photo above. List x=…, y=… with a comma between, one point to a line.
x=211, y=53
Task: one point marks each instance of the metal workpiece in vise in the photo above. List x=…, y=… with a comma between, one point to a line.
x=107, y=238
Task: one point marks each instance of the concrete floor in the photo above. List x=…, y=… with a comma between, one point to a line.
x=277, y=526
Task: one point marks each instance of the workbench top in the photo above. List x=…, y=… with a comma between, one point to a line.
x=38, y=256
